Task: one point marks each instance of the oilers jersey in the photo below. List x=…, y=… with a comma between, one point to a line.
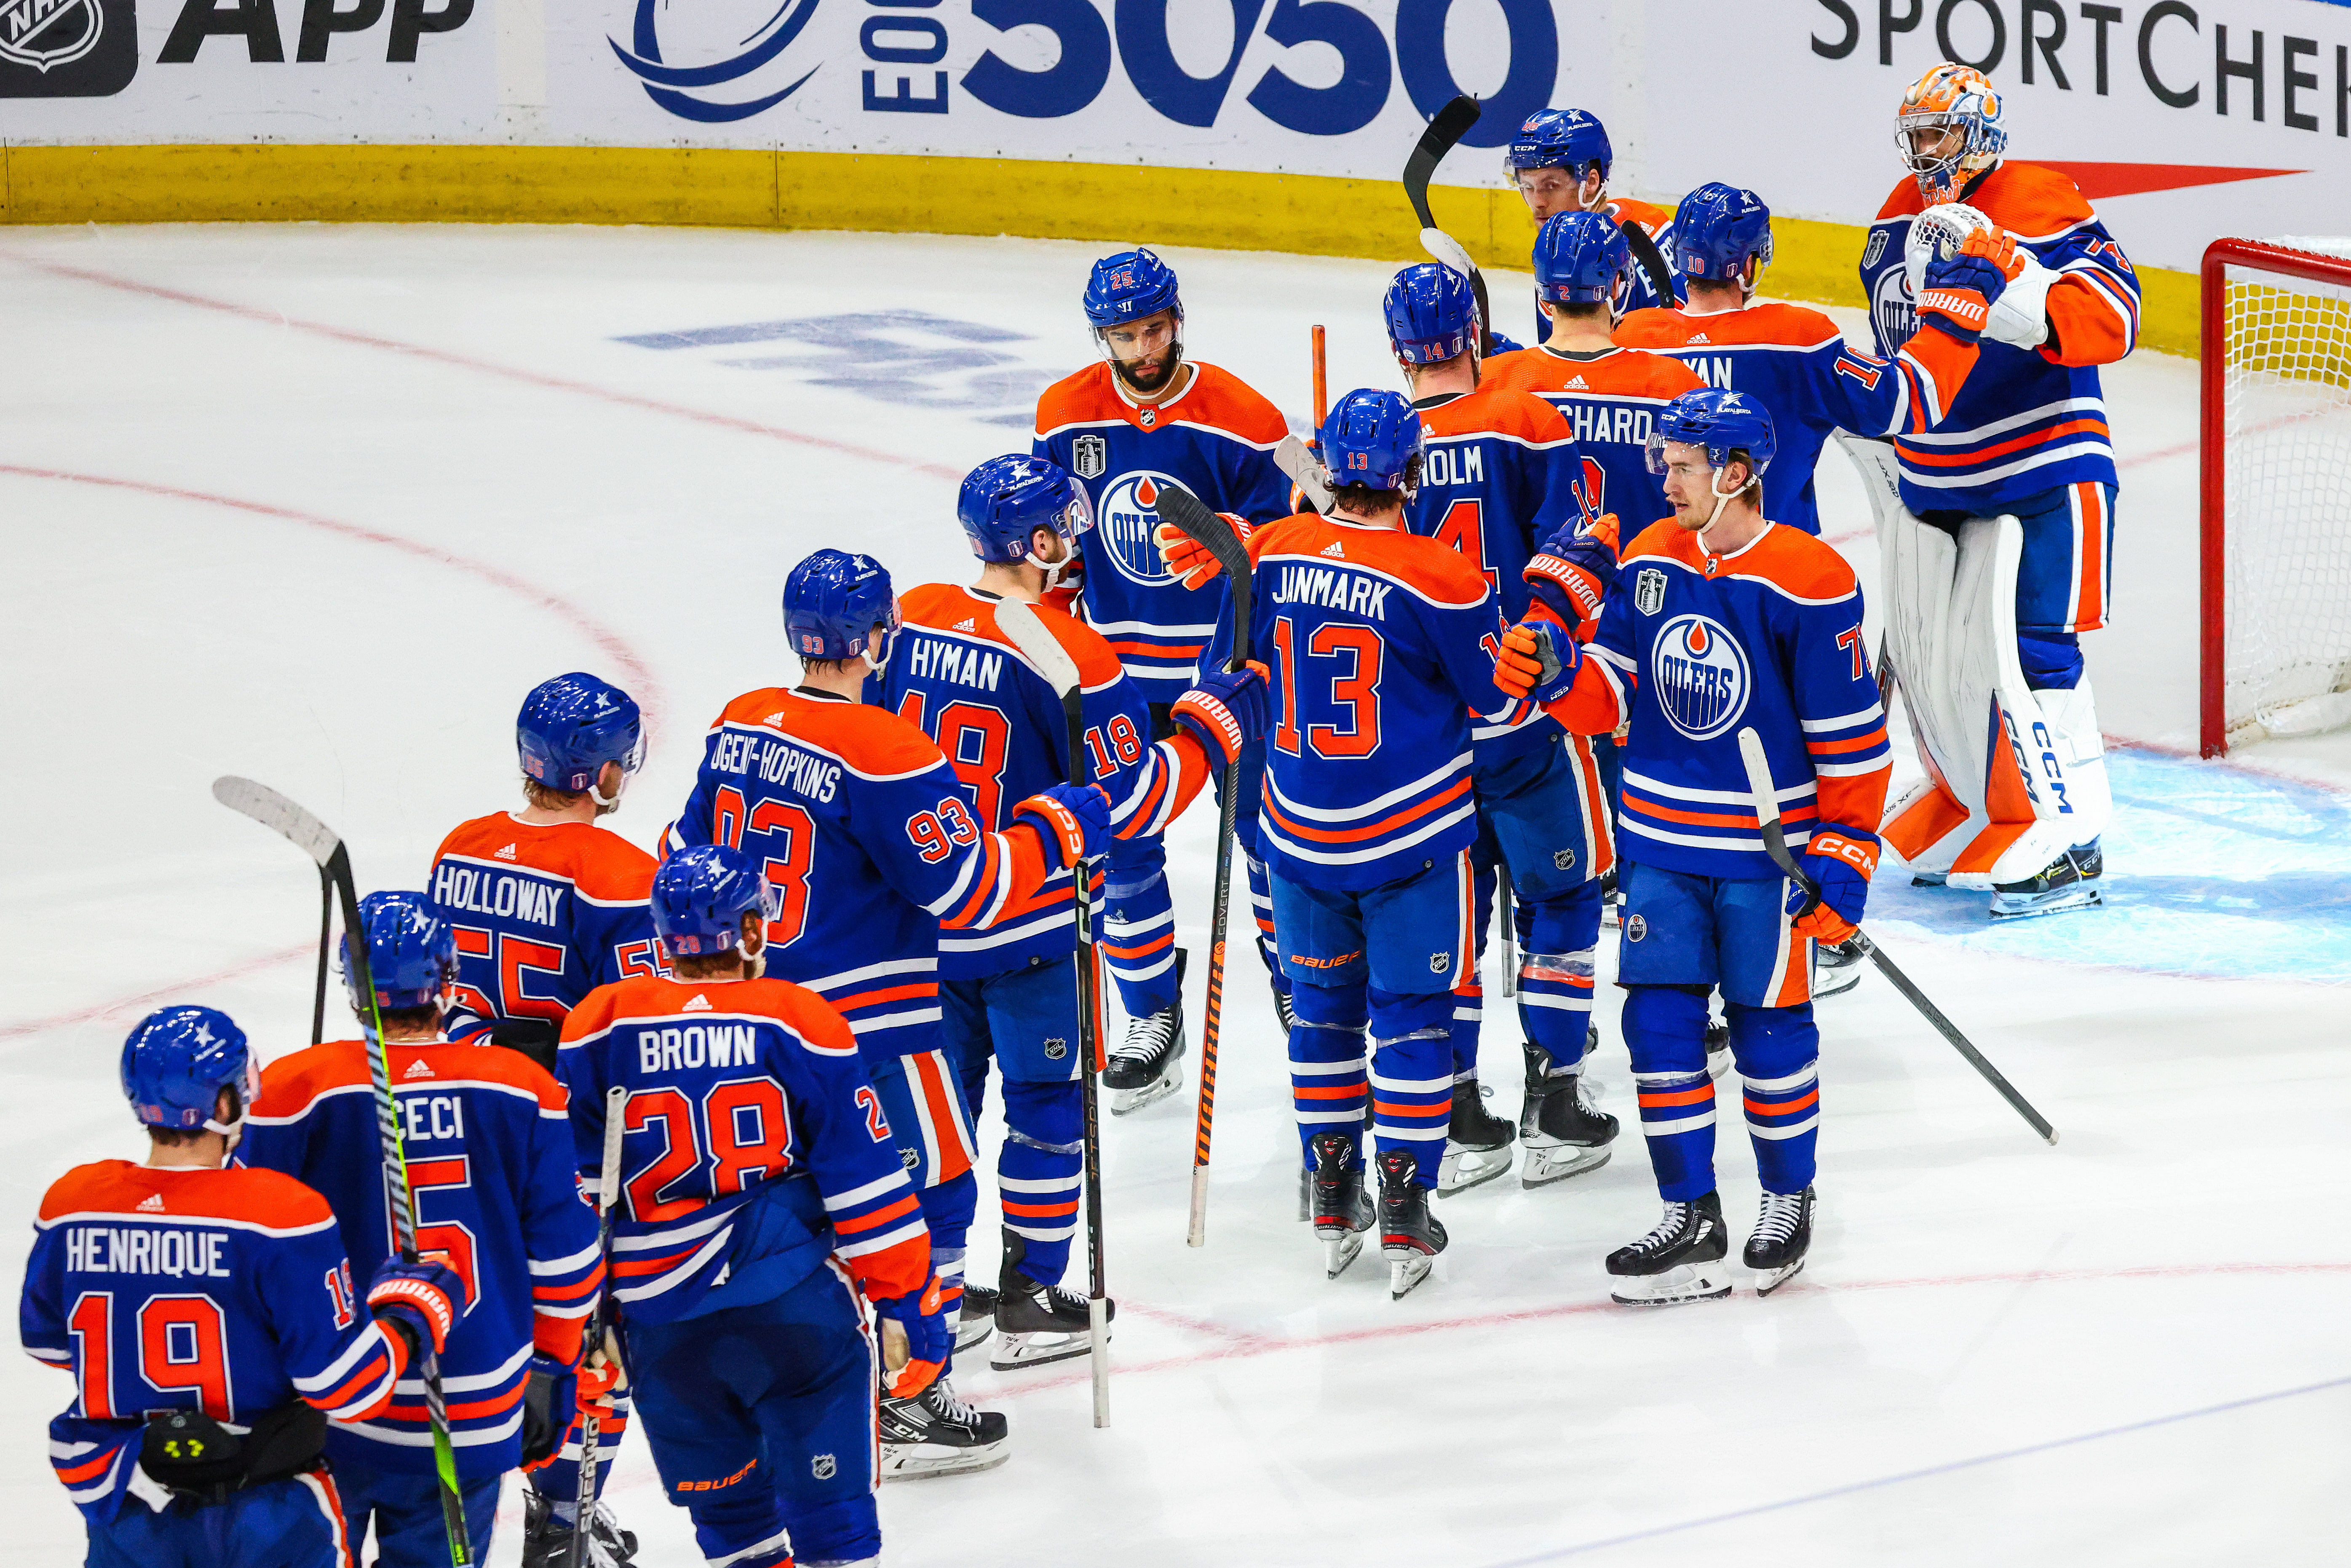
x=184, y=1289
x=1609, y=399
x=1693, y=647
x=871, y=836
x=755, y=1146
x=1215, y=438
x=489, y=1162
x=542, y=916
x=1382, y=645
x=2029, y=421
x=1657, y=222
x=957, y=675
x=1794, y=362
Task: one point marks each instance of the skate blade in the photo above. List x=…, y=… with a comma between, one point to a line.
x=2061, y=900
x=1406, y=1269
x=1337, y=1251
x=1545, y=1167
x=1838, y=982
x=1127, y=1102
x=1015, y=1350
x=972, y=1331
x=920, y=1461
x=1778, y=1276
x=1459, y=1171
x=1674, y=1288
x=1928, y=878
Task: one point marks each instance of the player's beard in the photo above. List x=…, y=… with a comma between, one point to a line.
x=1150, y=382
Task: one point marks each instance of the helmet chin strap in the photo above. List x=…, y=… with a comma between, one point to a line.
x=1721, y=498
x=607, y=801
x=1054, y=570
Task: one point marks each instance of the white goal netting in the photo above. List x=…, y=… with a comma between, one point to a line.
x=2288, y=499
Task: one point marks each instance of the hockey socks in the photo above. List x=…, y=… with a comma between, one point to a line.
x=1777, y=1052
x=1664, y=1028
x=1038, y=1174
x=1412, y=1077
x=1138, y=942
x=1555, y=973
x=947, y=1210
x=1328, y=1083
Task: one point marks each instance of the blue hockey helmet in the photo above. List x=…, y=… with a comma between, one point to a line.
x=833, y=600
x=573, y=724
x=1373, y=438
x=1128, y=286
x=1582, y=258
x=1569, y=139
x=1432, y=314
x=1717, y=228
x=1718, y=420
x=177, y=1061
x=1007, y=500
x=411, y=950
x=700, y=896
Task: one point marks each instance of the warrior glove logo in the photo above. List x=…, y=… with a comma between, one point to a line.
x=1090, y=456
x=1128, y=515
x=1649, y=591
x=1700, y=674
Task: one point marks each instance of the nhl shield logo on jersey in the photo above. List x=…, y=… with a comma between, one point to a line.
x=1128, y=515
x=1649, y=591
x=1701, y=675
x=1089, y=456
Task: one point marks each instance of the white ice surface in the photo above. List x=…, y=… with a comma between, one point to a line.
x=317, y=505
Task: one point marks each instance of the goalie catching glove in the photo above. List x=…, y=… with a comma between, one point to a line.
x=1839, y=863
x=1188, y=557
x=1971, y=278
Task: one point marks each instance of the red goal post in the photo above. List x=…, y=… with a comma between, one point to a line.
x=2275, y=491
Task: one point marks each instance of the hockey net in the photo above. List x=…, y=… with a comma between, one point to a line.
x=2276, y=497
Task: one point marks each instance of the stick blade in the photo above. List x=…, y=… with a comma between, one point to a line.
x=1445, y=129
x=1297, y=460
x=1759, y=776
x=1018, y=620
x=1448, y=249
x=608, y=1184
x=279, y=815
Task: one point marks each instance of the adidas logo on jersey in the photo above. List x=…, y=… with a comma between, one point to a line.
x=774, y=718
x=418, y=1070
x=1576, y=385
x=507, y=854
x=152, y=1203
x=1332, y=549
x=966, y=624
x=1699, y=337
x=700, y=1004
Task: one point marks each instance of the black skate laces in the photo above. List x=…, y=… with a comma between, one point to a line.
x=1781, y=1210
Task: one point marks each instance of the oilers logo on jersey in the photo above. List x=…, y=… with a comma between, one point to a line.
x=1892, y=311
x=1701, y=674
x=1126, y=517
x=1089, y=456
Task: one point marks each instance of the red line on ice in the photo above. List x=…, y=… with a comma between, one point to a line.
x=489, y=367
x=161, y=994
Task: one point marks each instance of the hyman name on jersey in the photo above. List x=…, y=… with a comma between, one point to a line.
x=742, y=752
x=481, y=892
x=696, y=1045
x=936, y=659
x=1352, y=591
x=139, y=1250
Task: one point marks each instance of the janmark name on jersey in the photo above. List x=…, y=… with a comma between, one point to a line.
x=141, y=1250
x=698, y=1045
x=739, y=751
x=1352, y=591
x=1451, y=465
x=480, y=892
x=936, y=659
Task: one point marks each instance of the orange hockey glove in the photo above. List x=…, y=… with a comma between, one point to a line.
x=1190, y=559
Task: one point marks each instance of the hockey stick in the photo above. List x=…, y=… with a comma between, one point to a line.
x=1506, y=897
x=1321, y=386
x=1445, y=130
x=608, y=1195
x=1652, y=261
x=320, y=843
x=1017, y=621
x=1775, y=840
x=1191, y=517
x=326, y=934
x=1294, y=458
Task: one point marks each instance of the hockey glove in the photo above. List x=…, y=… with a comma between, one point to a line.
x=1840, y=864
x=1962, y=293
x=1188, y=557
x=549, y=1397
x=1073, y=816
x=1572, y=570
x=1538, y=660
x=601, y=1376
x=1225, y=712
x=922, y=1314
x=421, y=1301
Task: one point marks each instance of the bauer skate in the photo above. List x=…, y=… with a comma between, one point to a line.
x=1563, y=1135
x=936, y=1434
x=1836, y=969
x=1148, y=1065
x=2070, y=881
x=1783, y=1235
x=1477, y=1142
x=1410, y=1237
x=978, y=1319
x=1343, y=1209
x=1036, y=1323
x=1680, y=1260
x=1717, y=1047
x=547, y=1537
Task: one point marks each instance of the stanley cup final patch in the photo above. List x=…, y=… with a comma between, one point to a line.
x=1090, y=456
x=1649, y=591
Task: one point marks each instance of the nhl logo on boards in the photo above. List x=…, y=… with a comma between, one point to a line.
x=1649, y=591
x=1090, y=456
x=1056, y=1049
x=1636, y=928
x=1700, y=675
x=1128, y=515
x=68, y=49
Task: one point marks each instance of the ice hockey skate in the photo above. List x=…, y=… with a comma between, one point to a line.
x=1410, y=1237
x=976, y=1321
x=1680, y=1260
x=2072, y=881
x=1717, y=1047
x=1037, y=1325
x=1563, y=1135
x=1836, y=969
x=547, y=1537
x=1477, y=1142
x=1783, y=1235
x=936, y=1434
x=1147, y=1066
x=1343, y=1209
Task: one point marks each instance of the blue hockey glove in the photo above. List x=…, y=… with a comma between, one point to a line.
x=1572, y=570
x=923, y=1314
x=550, y=1399
x=1225, y=712
x=1073, y=816
x=1502, y=346
x=1841, y=864
x=1538, y=660
x=1960, y=290
x=421, y=1301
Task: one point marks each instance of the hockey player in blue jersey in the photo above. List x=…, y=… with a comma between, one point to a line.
x=1559, y=162
x=1009, y=986
x=1143, y=418
x=206, y=1315
x=868, y=833
x=762, y=1208
x=1720, y=620
x=1500, y=470
x=488, y=1149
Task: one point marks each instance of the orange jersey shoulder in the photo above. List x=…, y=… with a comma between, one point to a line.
x=1501, y=409
x=427, y=1059
x=293, y=1083
x=598, y=861
x=1648, y=214
x=871, y=740
x=1222, y=400
x=943, y=607
x=1767, y=322
x=1789, y=558
x=1627, y=373
x=1081, y=397
x=653, y=997
x=256, y=1196
x=1428, y=566
x=2030, y=200
x=1903, y=202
